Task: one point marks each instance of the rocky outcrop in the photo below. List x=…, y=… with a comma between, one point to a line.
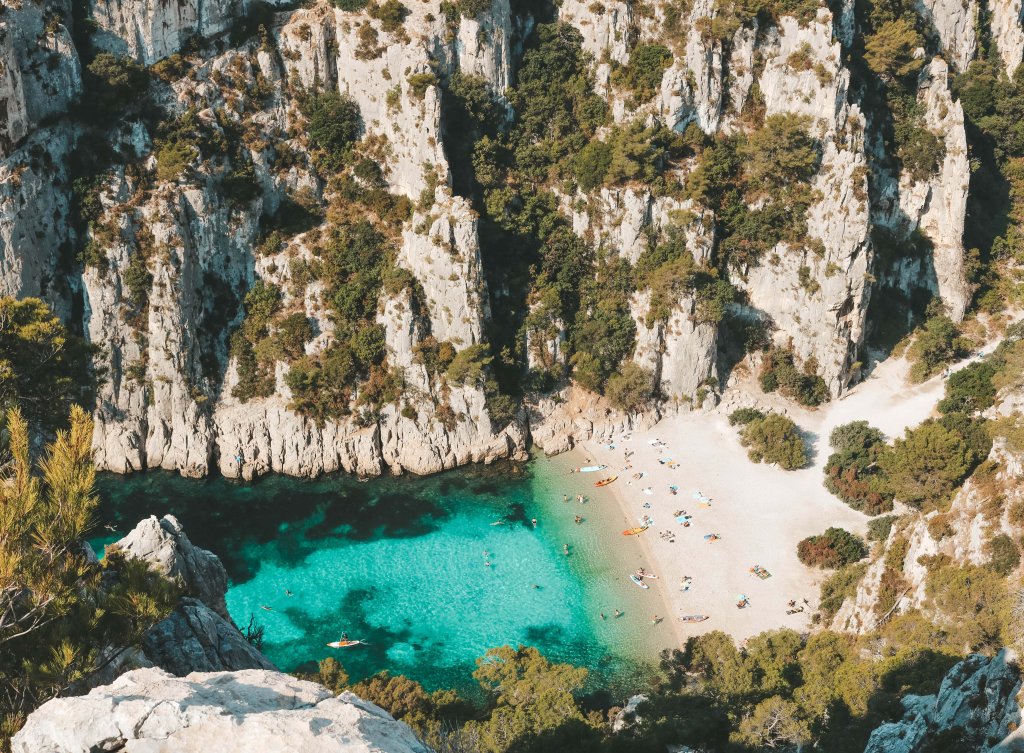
x=976, y=706
x=163, y=544
x=558, y=423
x=816, y=297
x=194, y=638
x=956, y=23
x=1008, y=32
x=233, y=712
x=148, y=31
x=937, y=205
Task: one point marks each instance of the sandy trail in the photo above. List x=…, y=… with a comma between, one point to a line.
x=761, y=512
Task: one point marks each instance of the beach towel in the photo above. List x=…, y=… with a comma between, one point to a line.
x=648, y=490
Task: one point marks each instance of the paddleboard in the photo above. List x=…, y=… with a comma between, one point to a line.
x=344, y=644
x=634, y=531
x=591, y=468
x=638, y=581
x=693, y=618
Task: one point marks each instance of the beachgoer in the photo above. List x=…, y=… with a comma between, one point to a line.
x=287, y=592
x=565, y=549
x=534, y=521
x=487, y=563
x=603, y=617
x=655, y=620
x=565, y=497
x=618, y=613
x=536, y=586
x=579, y=519
x=344, y=636
x=264, y=606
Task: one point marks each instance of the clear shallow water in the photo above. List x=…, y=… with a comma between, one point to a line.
x=400, y=564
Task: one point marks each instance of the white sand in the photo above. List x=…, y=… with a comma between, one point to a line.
x=760, y=511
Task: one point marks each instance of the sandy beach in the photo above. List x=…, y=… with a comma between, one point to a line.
x=760, y=512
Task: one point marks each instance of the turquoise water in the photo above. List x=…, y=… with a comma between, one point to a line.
x=401, y=564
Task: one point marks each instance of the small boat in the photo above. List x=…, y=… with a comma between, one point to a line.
x=606, y=481
x=638, y=580
x=591, y=468
x=344, y=644
x=634, y=531
x=693, y=618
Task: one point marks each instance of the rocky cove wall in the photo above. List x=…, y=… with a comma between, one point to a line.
x=162, y=406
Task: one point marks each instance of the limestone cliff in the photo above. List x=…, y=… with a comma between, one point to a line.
x=152, y=253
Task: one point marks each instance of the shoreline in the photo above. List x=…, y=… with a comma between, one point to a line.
x=760, y=512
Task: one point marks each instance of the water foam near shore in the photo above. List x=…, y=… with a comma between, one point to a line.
x=401, y=564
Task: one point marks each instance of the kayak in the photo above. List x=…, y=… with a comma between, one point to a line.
x=634, y=531
x=343, y=644
x=693, y=618
x=606, y=481
x=639, y=581
x=591, y=468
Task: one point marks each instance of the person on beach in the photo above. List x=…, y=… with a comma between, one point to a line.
x=578, y=520
x=565, y=497
x=655, y=620
x=618, y=613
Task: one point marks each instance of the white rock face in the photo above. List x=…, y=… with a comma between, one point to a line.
x=1008, y=32
x=978, y=696
x=823, y=317
x=39, y=70
x=150, y=711
x=679, y=352
x=149, y=30
x=938, y=205
x=955, y=21
x=605, y=27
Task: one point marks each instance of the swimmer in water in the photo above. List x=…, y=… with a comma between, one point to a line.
x=618, y=613
x=534, y=522
x=565, y=549
x=288, y=593
x=603, y=617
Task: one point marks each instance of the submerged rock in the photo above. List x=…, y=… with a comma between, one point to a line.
x=152, y=711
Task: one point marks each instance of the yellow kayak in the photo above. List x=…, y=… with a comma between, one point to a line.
x=606, y=481
x=634, y=531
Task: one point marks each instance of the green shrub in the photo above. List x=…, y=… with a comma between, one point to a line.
x=334, y=125
x=928, y=464
x=743, y=416
x=44, y=368
x=879, y=528
x=292, y=334
x=834, y=548
x=420, y=82
x=839, y=587
x=970, y=390
x=351, y=6
x=391, y=14
x=889, y=51
x=938, y=343
x=590, y=165
x=779, y=371
x=643, y=74
x=1004, y=556
x=774, y=439
x=469, y=365
x=852, y=472
x=473, y=9
x=114, y=83
x=630, y=388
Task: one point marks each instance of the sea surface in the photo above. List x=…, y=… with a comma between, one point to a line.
x=429, y=572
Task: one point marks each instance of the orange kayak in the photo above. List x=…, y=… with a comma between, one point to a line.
x=634, y=531
x=606, y=481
